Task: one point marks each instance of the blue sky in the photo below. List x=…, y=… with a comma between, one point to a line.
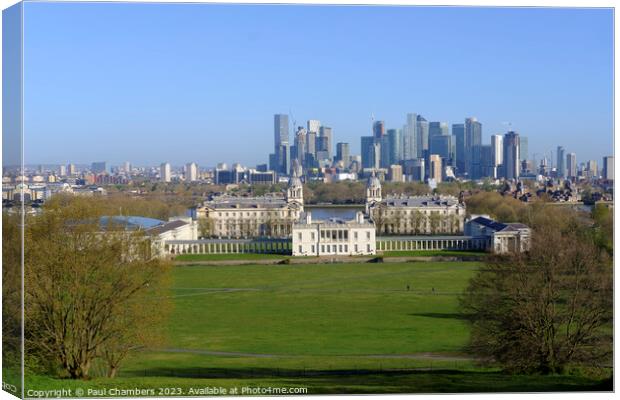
x=194, y=82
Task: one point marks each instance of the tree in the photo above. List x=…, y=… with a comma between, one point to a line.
x=206, y=227
x=88, y=293
x=546, y=309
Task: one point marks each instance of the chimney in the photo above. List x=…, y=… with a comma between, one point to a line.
x=308, y=218
x=359, y=217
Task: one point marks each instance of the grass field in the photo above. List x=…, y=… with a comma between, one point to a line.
x=224, y=257
x=433, y=253
x=337, y=328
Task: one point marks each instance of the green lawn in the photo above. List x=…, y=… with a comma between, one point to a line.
x=334, y=328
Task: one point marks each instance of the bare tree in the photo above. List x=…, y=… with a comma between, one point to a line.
x=87, y=290
x=544, y=310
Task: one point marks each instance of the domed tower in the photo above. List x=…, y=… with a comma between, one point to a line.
x=295, y=190
x=373, y=191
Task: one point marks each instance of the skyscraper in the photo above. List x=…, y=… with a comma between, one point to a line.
x=326, y=142
x=300, y=145
x=561, y=169
x=98, y=167
x=511, y=155
x=281, y=143
x=438, y=128
x=487, y=162
x=164, y=172
x=458, y=131
x=571, y=165
x=368, y=151
x=443, y=146
x=386, y=151
x=497, y=150
x=410, y=151
x=191, y=172
x=473, y=141
x=421, y=136
x=608, y=168
x=523, y=149
x=378, y=129
x=343, y=154
x=395, y=144
x=314, y=125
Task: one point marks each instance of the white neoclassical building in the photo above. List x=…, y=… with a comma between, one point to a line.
x=502, y=237
x=247, y=217
x=333, y=236
x=413, y=215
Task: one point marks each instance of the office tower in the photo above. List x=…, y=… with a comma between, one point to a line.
x=608, y=168
x=497, y=149
x=98, y=167
x=384, y=145
x=165, y=174
x=343, y=154
x=443, y=146
x=458, y=131
x=523, y=148
x=378, y=129
x=511, y=155
x=395, y=143
x=561, y=168
x=571, y=165
x=281, y=143
x=487, y=161
x=473, y=141
x=395, y=173
x=435, y=169
x=414, y=169
x=300, y=145
x=191, y=172
x=409, y=137
x=438, y=128
x=62, y=170
x=368, y=151
x=314, y=125
x=71, y=170
x=311, y=143
x=325, y=133
x=127, y=167
x=421, y=136
x=591, y=169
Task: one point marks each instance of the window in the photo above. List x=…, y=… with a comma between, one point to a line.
x=312, y=249
x=355, y=235
x=312, y=235
x=346, y=235
x=368, y=235
x=322, y=234
x=333, y=248
x=300, y=249
x=368, y=248
x=299, y=236
x=322, y=248
x=340, y=248
x=356, y=249
x=346, y=248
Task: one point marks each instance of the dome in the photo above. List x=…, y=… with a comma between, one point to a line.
x=373, y=181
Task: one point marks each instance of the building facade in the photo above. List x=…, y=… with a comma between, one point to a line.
x=413, y=215
x=246, y=217
x=503, y=237
x=333, y=237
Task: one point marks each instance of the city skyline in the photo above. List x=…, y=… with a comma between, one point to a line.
x=151, y=96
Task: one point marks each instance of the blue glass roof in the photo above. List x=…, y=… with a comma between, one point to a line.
x=131, y=222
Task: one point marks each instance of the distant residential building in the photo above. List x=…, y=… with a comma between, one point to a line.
x=191, y=172
x=435, y=170
x=127, y=167
x=333, y=236
x=511, y=157
x=571, y=165
x=165, y=174
x=608, y=168
x=395, y=173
